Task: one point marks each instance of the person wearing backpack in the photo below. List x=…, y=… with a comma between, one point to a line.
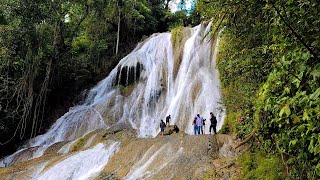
x=162, y=126
x=213, y=125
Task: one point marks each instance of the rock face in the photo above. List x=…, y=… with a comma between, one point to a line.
x=175, y=156
x=163, y=157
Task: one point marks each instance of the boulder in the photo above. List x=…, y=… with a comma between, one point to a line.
x=168, y=130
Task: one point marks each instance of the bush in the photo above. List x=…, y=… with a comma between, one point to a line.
x=261, y=166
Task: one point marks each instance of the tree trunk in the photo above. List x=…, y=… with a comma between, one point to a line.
x=118, y=33
x=167, y=5
x=247, y=139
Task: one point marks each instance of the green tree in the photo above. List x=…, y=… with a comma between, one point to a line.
x=269, y=64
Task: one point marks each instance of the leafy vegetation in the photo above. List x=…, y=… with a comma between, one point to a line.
x=261, y=166
x=269, y=67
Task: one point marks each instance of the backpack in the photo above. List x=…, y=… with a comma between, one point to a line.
x=162, y=124
x=213, y=120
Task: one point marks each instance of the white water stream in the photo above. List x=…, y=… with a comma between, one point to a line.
x=146, y=86
x=83, y=165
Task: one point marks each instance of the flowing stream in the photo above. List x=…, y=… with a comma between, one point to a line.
x=83, y=165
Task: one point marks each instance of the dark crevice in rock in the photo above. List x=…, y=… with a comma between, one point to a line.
x=128, y=75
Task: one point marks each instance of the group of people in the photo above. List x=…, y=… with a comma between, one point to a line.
x=163, y=125
x=198, y=124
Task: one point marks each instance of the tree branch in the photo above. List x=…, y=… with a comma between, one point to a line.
x=247, y=139
x=299, y=37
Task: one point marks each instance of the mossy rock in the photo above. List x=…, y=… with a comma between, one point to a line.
x=212, y=174
x=169, y=131
x=76, y=146
x=126, y=90
x=177, y=35
x=111, y=131
x=107, y=176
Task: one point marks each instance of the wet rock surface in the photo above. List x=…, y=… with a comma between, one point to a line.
x=175, y=156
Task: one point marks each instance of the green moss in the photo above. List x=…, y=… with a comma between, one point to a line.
x=107, y=176
x=212, y=174
x=125, y=136
x=177, y=35
x=229, y=126
x=116, y=131
x=77, y=145
x=126, y=90
x=261, y=166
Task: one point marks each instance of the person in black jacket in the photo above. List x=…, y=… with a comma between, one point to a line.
x=213, y=125
x=168, y=120
x=162, y=126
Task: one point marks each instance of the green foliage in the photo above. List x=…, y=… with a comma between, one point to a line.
x=269, y=68
x=230, y=123
x=244, y=127
x=261, y=166
x=288, y=104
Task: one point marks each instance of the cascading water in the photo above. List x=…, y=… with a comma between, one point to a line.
x=83, y=165
x=146, y=86
x=149, y=70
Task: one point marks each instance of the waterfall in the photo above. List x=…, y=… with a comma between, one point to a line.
x=156, y=91
x=147, y=85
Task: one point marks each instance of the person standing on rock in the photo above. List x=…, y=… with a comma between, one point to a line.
x=213, y=125
x=168, y=120
x=195, y=127
x=162, y=126
x=199, y=123
x=203, y=124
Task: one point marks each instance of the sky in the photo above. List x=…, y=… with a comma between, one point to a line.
x=173, y=5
